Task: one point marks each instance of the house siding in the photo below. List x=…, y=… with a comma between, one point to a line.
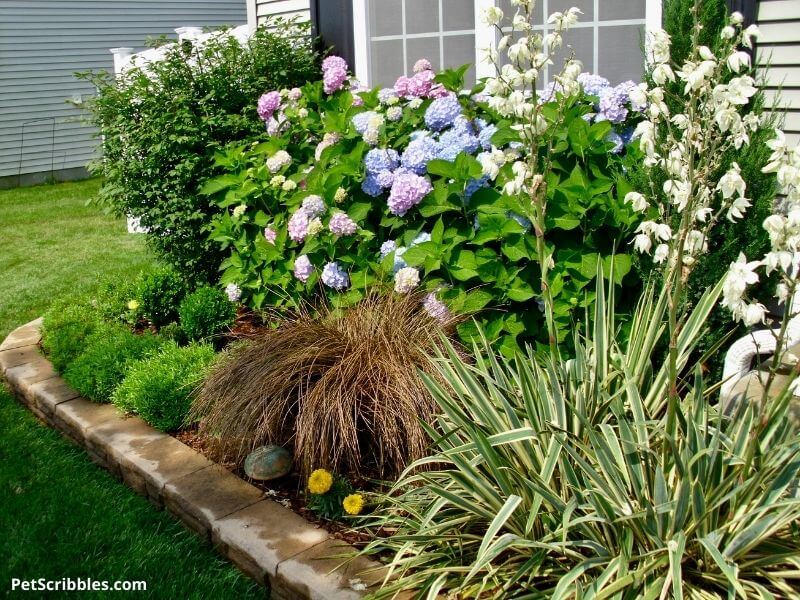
x=285, y=9
x=779, y=46
x=44, y=42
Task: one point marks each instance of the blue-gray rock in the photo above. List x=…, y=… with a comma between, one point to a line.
x=268, y=462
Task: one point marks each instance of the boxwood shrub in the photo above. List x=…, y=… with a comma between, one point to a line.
x=65, y=327
x=160, y=294
x=206, y=312
x=107, y=354
x=159, y=389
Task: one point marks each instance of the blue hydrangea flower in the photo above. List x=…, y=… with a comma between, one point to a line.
x=399, y=263
x=454, y=141
x=485, y=136
x=594, y=85
x=473, y=185
x=335, y=277
x=627, y=135
x=387, y=248
x=616, y=138
x=419, y=153
x=442, y=113
x=421, y=238
x=385, y=179
x=525, y=223
x=361, y=120
x=381, y=159
x=371, y=187
x=386, y=95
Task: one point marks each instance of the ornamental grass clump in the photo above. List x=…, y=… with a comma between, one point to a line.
x=341, y=387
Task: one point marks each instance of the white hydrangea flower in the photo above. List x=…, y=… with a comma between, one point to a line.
x=406, y=280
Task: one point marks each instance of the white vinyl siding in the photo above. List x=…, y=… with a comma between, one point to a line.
x=44, y=42
x=285, y=9
x=779, y=46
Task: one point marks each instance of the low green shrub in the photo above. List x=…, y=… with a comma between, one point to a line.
x=206, y=312
x=65, y=327
x=159, y=389
x=160, y=294
x=107, y=354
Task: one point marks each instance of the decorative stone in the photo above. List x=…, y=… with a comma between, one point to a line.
x=268, y=462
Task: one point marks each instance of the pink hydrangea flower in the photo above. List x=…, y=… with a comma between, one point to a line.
x=270, y=234
x=294, y=94
x=436, y=308
x=267, y=104
x=408, y=189
x=298, y=225
x=420, y=84
x=303, y=268
x=334, y=74
x=401, y=86
x=340, y=224
x=423, y=64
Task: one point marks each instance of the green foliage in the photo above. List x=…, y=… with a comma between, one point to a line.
x=679, y=19
x=65, y=327
x=475, y=250
x=329, y=506
x=160, y=294
x=106, y=355
x=160, y=388
x=206, y=313
x=161, y=127
x=558, y=479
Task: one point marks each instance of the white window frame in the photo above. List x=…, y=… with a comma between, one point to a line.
x=484, y=35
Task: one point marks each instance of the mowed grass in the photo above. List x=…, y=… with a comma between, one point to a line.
x=52, y=244
x=60, y=515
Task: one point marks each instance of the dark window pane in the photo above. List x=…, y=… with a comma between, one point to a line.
x=459, y=15
x=460, y=50
x=385, y=17
x=385, y=62
x=422, y=16
x=427, y=47
x=620, y=53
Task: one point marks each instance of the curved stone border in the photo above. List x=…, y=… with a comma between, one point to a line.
x=270, y=543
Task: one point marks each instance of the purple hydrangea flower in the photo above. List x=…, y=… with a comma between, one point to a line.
x=387, y=248
x=385, y=179
x=419, y=152
x=303, y=268
x=334, y=74
x=436, y=308
x=381, y=159
x=407, y=190
x=341, y=224
x=611, y=109
x=314, y=206
x=335, y=277
x=371, y=187
x=267, y=104
x=298, y=225
x=594, y=85
x=386, y=95
x=442, y=112
x=270, y=234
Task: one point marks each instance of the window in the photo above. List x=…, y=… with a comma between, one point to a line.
x=391, y=35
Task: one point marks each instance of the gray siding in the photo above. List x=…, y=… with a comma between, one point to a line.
x=286, y=9
x=43, y=42
x=779, y=46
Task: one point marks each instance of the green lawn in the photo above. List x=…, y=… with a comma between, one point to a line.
x=60, y=515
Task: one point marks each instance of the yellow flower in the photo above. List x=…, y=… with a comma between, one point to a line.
x=320, y=481
x=133, y=305
x=353, y=504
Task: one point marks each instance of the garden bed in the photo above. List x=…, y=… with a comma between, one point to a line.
x=267, y=541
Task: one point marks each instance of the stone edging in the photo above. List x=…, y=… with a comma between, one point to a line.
x=275, y=546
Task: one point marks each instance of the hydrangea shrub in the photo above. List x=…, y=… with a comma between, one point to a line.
x=413, y=187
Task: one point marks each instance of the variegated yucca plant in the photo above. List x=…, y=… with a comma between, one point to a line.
x=550, y=479
x=614, y=473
